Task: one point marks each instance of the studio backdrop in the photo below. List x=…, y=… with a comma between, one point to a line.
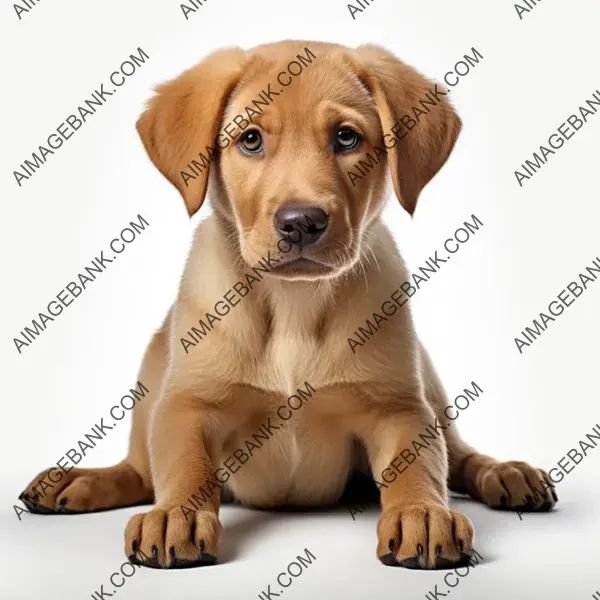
x=503, y=259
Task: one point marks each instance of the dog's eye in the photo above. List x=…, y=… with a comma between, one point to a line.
x=346, y=139
x=251, y=141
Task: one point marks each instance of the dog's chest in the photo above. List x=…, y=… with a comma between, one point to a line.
x=294, y=349
x=292, y=356
x=301, y=463
x=306, y=461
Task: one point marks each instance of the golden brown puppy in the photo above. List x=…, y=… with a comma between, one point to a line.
x=210, y=391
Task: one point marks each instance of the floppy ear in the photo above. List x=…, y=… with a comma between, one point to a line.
x=423, y=150
x=182, y=120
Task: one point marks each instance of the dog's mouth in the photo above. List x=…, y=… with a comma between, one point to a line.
x=294, y=260
x=302, y=264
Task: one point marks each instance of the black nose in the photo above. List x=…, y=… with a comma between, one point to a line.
x=300, y=223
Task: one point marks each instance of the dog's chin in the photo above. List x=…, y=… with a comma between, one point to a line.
x=303, y=268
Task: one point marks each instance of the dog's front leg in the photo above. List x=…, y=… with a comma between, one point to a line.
x=174, y=534
x=416, y=529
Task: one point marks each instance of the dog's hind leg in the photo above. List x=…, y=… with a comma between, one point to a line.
x=85, y=490
x=511, y=485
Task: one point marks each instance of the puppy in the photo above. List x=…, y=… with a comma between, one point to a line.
x=283, y=174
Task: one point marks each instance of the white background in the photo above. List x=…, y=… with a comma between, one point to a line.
x=535, y=240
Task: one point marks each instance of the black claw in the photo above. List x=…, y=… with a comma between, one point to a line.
x=62, y=502
x=172, y=552
x=411, y=563
x=22, y=495
x=419, y=550
x=36, y=508
x=529, y=500
x=204, y=561
x=444, y=563
x=461, y=545
x=465, y=560
x=389, y=561
x=201, y=545
x=554, y=497
x=134, y=546
x=150, y=562
x=529, y=507
x=438, y=550
x=391, y=545
x=503, y=500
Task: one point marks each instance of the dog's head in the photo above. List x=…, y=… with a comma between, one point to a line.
x=297, y=138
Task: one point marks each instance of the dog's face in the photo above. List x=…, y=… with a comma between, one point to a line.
x=284, y=172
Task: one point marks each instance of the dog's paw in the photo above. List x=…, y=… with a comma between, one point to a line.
x=516, y=485
x=165, y=539
x=60, y=493
x=424, y=536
